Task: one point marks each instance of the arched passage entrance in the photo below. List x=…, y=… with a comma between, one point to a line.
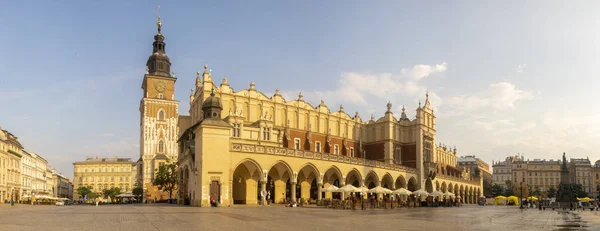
x=278, y=182
x=354, y=178
x=371, y=181
x=429, y=185
x=412, y=184
x=307, y=182
x=332, y=177
x=443, y=189
x=245, y=182
x=387, y=181
x=400, y=182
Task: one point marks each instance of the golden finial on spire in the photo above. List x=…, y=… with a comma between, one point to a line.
x=159, y=24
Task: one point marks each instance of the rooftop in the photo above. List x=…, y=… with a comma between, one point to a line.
x=96, y=160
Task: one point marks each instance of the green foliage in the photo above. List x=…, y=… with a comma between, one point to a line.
x=497, y=190
x=82, y=191
x=111, y=192
x=508, y=192
x=551, y=192
x=166, y=178
x=578, y=190
x=509, y=184
x=138, y=191
x=93, y=195
x=536, y=191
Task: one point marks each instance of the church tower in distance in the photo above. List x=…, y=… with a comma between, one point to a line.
x=158, y=113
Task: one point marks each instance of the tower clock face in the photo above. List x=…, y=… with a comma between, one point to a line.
x=160, y=86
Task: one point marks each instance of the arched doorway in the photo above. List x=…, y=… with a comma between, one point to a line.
x=246, y=177
x=429, y=185
x=279, y=184
x=443, y=188
x=372, y=180
x=331, y=177
x=412, y=184
x=387, y=181
x=354, y=178
x=306, y=186
x=400, y=182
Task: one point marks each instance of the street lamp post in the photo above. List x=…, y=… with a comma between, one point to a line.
x=521, y=194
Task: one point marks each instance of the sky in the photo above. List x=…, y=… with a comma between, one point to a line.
x=504, y=77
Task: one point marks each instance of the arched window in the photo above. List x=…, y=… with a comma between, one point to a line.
x=161, y=115
x=161, y=146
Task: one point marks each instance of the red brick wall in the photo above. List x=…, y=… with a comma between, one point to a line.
x=409, y=155
x=375, y=151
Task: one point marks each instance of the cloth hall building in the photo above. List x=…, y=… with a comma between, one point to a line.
x=234, y=145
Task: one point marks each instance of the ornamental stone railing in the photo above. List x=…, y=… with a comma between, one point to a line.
x=453, y=178
x=259, y=149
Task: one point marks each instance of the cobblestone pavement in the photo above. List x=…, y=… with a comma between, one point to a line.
x=171, y=217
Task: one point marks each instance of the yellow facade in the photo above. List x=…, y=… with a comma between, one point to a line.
x=235, y=144
x=249, y=148
x=103, y=173
x=11, y=152
x=543, y=174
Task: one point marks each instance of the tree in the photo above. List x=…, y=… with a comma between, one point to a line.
x=521, y=190
x=166, y=178
x=537, y=191
x=82, y=191
x=578, y=190
x=138, y=191
x=111, y=192
x=497, y=190
x=551, y=192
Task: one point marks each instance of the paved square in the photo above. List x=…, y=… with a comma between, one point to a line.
x=166, y=217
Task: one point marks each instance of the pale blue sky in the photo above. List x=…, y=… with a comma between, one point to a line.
x=511, y=77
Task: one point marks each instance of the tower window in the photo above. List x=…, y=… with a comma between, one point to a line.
x=161, y=115
x=161, y=146
x=160, y=96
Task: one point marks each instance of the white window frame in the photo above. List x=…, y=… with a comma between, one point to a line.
x=336, y=149
x=351, y=152
x=297, y=143
x=317, y=146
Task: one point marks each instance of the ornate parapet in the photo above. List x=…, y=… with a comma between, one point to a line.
x=259, y=149
x=458, y=179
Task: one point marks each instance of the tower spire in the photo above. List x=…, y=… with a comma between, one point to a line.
x=159, y=24
x=159, y=63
